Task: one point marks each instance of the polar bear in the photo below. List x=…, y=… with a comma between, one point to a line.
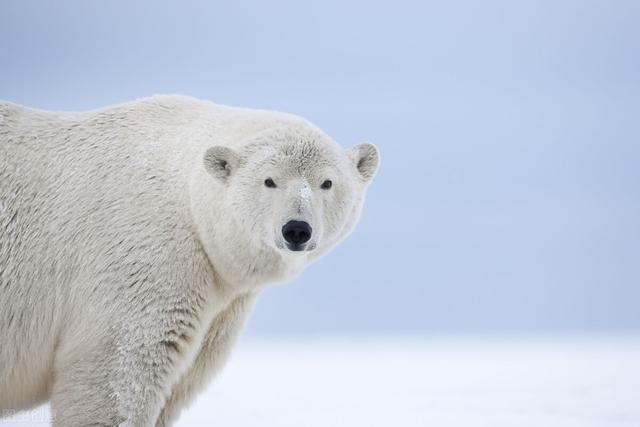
x=134, y=239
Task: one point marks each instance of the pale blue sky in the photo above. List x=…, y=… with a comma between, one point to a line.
x=508, y=199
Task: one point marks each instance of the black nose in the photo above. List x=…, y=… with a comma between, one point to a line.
x=296, y=232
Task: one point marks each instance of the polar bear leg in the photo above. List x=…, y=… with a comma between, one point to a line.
x=113, y=381
x=216, y=346
x=96, y=388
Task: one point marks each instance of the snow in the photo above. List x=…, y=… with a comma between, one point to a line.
x=562, y=381
x=305, y=192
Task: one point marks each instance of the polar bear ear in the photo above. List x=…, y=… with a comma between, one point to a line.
x=221, y=161
x=366, y=158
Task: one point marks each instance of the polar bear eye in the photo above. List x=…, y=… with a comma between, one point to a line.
x=326, y=184
x=269, y=183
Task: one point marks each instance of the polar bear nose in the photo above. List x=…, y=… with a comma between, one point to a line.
x=296, y=232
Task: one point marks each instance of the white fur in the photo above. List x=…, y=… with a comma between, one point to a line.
x=133, y=241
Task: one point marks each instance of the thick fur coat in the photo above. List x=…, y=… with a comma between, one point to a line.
x=133, y=240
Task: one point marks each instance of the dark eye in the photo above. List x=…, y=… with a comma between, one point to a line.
x=326, y=185
x=269, y=183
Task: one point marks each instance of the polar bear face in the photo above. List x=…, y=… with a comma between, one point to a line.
x=290, y=195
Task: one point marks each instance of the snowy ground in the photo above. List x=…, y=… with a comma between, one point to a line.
x=560, y=381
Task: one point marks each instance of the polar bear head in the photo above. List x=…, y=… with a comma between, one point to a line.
x=286, y=197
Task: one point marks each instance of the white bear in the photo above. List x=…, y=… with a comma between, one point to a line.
x=134, y=239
